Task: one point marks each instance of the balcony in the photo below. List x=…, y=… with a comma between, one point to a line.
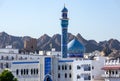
x=109, y=76
x=104, y=75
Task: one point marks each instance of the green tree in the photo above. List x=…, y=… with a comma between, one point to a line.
x=6, y=75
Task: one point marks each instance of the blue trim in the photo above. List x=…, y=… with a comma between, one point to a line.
x=32, y=62
x=75, y=55
x=65, y=61
x=47, y=68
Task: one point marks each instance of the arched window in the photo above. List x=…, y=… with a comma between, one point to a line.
x=65, y=75
x=58, y=75
x=27, y=71
x=58, y=67
x=36, y=71
x=70, y=67
x=62, y=67
x=116, y=72
x=113, y=72
x=21, y=71
x=12, y=58
x=65, y=67
x=109, y=71
x=64, y=15
x=24, y=71
x=70, y=75
x=31, y=71
x=17, y=72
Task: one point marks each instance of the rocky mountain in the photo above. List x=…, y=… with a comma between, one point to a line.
x=42, y=41
x=16, y=42
x=46, y=42
x=115, y=54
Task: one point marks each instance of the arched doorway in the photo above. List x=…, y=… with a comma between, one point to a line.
x=47, y=78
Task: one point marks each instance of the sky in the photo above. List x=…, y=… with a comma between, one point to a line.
x=93, y=19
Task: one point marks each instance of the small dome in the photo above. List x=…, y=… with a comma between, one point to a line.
x=64, y=9
x=75, y=49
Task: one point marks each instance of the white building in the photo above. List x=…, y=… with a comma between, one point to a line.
x=112, y=70
x=38, y=67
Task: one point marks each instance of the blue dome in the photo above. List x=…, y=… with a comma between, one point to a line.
x=64, y=9
x=75, y=49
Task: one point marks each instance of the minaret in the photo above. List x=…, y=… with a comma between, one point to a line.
x=64, y=25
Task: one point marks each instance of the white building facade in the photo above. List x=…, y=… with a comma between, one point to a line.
x=112, y=70
x=37, y=67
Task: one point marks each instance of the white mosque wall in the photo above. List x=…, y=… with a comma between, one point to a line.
x=97, y=65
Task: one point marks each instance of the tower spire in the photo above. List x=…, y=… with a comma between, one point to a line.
x=64, y=5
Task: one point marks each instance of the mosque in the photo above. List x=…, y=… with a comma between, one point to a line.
x=70, y=66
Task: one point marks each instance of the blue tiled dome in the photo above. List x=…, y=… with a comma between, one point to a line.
x=75, y=49
x=64, y=9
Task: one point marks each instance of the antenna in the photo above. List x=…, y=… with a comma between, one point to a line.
x=64, y=4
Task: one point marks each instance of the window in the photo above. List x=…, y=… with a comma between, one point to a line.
x=58, y=75
x=58, y=67
x=92, y=67
x=25, y=58
x=78, y=67
x=70, y=75
x=70, y=67
x=109, y=71
x=65, y=67
x=2, y=58
x=7, y=57
x=106, y=72
x=64, y=15
x=1, y=65
x=65, y=75
x=24, y=71
x=7, y=65
x=62, y=67
x=78, y=76
x=87, y=77
x=105, y=61
x=21, y=58
x=27, y=71
x=17, y=72
x=116, y=72
x=31, y=71
x=87, y=68
x=21, y=71
x=12, y=58
x=113, y=72
x=36, y=71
